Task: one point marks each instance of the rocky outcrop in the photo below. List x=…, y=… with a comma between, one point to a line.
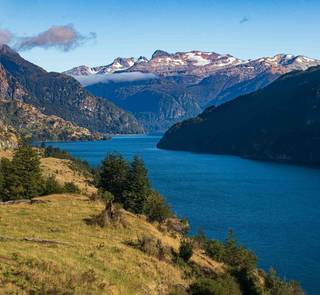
x=8, y=136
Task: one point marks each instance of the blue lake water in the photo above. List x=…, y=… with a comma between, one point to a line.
x=273, y=208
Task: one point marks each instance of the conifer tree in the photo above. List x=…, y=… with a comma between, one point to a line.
x=139, y=186
x=24, y=176
x=113, y=176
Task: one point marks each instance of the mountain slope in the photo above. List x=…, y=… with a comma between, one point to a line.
x=280, y=122
x=8, y=136
x=29, y=122
x=60, y=95
x=172, y=87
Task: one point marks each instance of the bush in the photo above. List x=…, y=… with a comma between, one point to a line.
x=71, y=188
x=51, y=186
x=186, y=250
x=275, y=285
x=152, y=247
x=222, y=285
x=214, y=250
x=156, y=208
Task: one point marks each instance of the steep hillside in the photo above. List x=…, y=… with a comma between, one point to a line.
x=8, y=136
x=60, y=95
x=29, y=122
x=280, y=122
x=171, y=87
x=86, y=259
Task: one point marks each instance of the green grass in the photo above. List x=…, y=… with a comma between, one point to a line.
x=89, y=260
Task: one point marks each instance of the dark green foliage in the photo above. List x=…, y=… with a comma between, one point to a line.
x=222, y=285
x=129, y=184
x=22, y=176
x=238, y=256
x=186, y=250
x=156, y=208
x=51, y=186
x=71, y=188
x=276, y=286
x=138, y=186
x=278, y=122
x=113, y=176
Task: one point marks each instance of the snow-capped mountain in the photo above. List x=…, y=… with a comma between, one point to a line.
x=119, y=64
x=171, y=87
x=196, y=63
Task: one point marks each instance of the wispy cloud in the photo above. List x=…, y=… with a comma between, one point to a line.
x=244, y=20
x=115, y=78
x=5, y=36
x=64, y=37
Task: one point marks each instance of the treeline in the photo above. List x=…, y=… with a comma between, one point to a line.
x=127, y=183
x=21, y=177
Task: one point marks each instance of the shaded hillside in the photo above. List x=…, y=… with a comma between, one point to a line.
x=60, y=95
x=156, y=103
x=280, y=122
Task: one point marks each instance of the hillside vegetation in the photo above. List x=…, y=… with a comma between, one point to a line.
x=279, y=122
x=82, y=240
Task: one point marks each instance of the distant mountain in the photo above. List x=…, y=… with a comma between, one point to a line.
x=171, y=87
x=280, y=122
x=60, y=95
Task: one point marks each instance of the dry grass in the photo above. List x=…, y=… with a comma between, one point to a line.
x=90, y=259
x=5, y=154
x=63, y=173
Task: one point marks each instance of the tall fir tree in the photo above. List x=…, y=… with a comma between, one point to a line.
x=113, y=176
x=139, y=186
x=22, y=178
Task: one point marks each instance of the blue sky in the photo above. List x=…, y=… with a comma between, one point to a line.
x=246, y=29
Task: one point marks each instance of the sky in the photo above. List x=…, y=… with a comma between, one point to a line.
x=58, y=35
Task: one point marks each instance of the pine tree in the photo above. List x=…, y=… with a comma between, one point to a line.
x=24, y=176
x=139, y=186
x=113, y=176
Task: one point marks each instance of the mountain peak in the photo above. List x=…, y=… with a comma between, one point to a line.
x=6, y=49
x=160, y=53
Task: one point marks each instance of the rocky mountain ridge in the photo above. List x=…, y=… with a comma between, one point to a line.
x=60, y=95
x=185, y=83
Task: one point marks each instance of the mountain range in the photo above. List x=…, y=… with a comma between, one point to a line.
x=50, y=106
x=168, y=88
x=280, y=122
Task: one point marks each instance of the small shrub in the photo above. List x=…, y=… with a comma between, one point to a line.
x=222, y=285
x=156, y=208
x=51, y=186
x=152, y=247
x=71, y=188
x=186, y=250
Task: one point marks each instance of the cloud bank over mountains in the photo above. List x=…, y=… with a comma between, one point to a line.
x=62, y=37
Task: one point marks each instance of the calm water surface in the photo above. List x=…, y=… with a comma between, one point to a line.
x=273, y=208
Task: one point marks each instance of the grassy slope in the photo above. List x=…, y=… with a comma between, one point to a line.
x=90, y=259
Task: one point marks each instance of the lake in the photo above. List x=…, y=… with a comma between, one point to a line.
x=272, y=208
